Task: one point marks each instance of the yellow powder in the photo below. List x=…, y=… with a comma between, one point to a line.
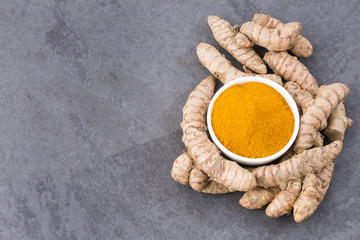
x=252, y=120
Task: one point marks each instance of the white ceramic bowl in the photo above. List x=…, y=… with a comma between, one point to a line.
x=289, y=100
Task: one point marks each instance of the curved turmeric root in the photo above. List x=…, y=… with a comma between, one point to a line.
x=258, y=197
x=273, y=39
x=200, y=182
x=207, y=156
x=291, y=69
x=195, y=108
x=181, y=168
x=221, y=68
x=315, y=117
x=338, y=123
x=302, y=47
x=298, y=166
x=284, y=200
x=226, y=35
x=194, y=113
x=314, y=189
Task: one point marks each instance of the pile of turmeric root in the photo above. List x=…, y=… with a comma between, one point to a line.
x=302, y=175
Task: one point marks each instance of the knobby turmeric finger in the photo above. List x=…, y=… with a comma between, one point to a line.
x=273, y=39
x=291, y=69
x=316, y=115
x=302, y=47
x=226, y=35
x=298, y=166
x=221, y=68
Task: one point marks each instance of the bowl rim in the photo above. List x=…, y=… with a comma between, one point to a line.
x=288, y=98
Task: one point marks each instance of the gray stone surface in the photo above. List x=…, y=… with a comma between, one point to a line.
x=91, y=94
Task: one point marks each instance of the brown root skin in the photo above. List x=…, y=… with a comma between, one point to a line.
x=247, y=70
x=225, y=34
x=338, y=123
x=292, y=88
x=221, y=68
x=194, y=113
x=313, y=191
x=184, y=172
x=258, y=197
x=273, y=39
x=287, y=155
x=302, y=98
x=302, y=46
x=243, y=41
x=316, y=115
x=284, y=200
x=200, y=182
x=197, y=104
x=204, y=153
x=181, y=168
x=298, y=166
x=291, y=69
x=319, y=140
x=267, y=21
x=207, y=157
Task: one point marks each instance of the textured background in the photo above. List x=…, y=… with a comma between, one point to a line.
x=91, y=94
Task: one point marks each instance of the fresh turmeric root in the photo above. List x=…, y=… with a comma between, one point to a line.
x=204, y=153
x=207, y=156
x=302, y=47
x=200, y=182
x=221, y=68
x=298, y=166
x=314, y=188
x=181, y=168
x=226, y=35
x=293, y=88
x=280, y=39
x=313, y=191
x=203, y=167
x=302, y=97
x=258, y=197
x=287, y=155
x=284, y=201
x=315, y=117
x=194, y=111
x=242, y=40
x=338, y=123
x=185, y=172
x=291, y=69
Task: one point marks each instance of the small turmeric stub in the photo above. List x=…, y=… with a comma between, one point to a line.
x=252, y=120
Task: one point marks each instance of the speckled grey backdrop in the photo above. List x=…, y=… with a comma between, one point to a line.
x=90, y=103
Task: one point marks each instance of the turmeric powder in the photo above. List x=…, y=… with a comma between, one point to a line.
x=252, y=120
